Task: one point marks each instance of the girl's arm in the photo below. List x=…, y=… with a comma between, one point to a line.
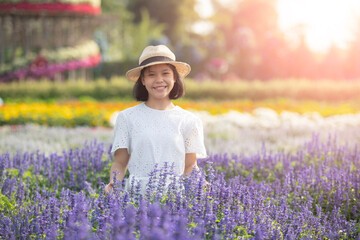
x=190, y=162
x=121, y=160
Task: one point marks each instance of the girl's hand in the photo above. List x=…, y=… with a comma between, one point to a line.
x=109, y=187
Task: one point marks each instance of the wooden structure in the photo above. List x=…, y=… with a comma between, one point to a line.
x=47, y=39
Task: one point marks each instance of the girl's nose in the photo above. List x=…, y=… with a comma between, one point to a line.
x=159, y=78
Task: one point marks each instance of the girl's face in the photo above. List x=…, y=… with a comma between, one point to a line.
x=158, y=81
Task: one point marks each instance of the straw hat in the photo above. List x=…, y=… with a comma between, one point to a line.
x=160, y=54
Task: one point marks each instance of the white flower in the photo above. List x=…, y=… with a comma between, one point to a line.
x=113, y=118
x=232, y=132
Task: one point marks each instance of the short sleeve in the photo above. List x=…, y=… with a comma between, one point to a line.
x=121, y=133
x=194, y=138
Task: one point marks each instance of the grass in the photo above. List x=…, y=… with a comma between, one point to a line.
x=121, y=88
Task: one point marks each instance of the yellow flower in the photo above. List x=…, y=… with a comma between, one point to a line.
x=97, y=113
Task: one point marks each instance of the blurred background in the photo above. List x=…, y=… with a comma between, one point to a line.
x=222, y=40
x=275, y=83
x=62, y=62
x=264, y=72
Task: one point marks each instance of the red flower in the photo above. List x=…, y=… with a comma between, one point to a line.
x=39, y=62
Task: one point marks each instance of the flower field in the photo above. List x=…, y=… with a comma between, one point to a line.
x=312, y=193
x=231, y=132
x=276, y=170
x=49, y=63
x=92, y=113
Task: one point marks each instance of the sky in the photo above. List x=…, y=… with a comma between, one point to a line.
x=325, y=22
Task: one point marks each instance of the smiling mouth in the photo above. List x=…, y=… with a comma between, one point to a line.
x=160, y=88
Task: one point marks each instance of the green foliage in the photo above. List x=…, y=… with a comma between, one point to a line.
x=176, y=16
x=121, y=88
x=6, y=205
x=303, y=89
x=126, y=39
x=133, y=25
x=100, y=89
x=142, y=34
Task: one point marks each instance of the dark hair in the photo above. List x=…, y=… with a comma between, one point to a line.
x=141, y=94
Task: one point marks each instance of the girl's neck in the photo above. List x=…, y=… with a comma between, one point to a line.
x=160, y=104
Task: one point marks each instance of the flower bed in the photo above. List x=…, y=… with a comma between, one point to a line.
x=89, y=7
x=48, y=63
x=99, y=114
x=280, y=91
x=233, y=132
x=313, y=193
x=272, y=174
x=50, y=69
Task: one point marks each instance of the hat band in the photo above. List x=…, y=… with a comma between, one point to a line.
x=155, y=59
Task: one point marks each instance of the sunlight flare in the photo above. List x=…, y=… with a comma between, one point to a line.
x=323, y=22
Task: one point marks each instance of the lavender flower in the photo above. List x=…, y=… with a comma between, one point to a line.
x=310, y=193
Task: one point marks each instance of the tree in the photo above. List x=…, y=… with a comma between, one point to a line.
x=300, y=61
x=352, y=62
x=331, y=66
x=247, y=27
x=176, y=16
x=126, y=39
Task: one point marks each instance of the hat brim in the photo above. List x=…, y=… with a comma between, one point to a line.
x=182, y=68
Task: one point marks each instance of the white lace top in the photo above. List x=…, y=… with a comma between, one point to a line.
x=157, y=136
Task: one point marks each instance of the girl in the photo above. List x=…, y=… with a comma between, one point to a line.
x=156, y=131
